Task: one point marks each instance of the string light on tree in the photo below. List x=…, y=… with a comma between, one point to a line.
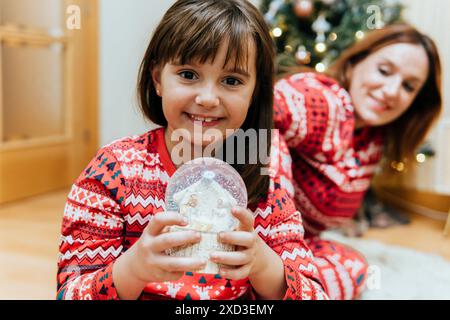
x=320, y=67
x=323, y=65
x=425, y=152
x=320, y=47
x=398, y=166
x=333, y=36
x=303, y=56
x=288, y=48
x=359, y=34
x=421, y=158
x=277, y=32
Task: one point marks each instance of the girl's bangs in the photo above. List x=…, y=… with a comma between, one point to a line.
x=197, y=44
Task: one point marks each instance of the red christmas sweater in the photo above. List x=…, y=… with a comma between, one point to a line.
x=120, y=191
x=332, y=163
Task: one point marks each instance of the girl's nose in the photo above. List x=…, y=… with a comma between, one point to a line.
x=207, y=98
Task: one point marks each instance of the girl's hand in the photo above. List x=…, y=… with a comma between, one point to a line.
x=150, y=262
x=247, y=259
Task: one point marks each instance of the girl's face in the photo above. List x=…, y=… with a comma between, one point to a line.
x=384, y=84
x=208, y=95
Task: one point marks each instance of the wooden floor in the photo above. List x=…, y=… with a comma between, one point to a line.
x=30, y=229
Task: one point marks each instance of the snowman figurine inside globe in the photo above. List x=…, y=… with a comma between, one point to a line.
x=205, y=190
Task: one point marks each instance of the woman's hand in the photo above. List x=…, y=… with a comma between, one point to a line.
x=247, y=259
x=150, y=262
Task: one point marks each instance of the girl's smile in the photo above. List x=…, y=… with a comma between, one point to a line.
x=203, y=120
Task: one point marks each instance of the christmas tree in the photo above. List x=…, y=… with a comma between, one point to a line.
x=313, y=33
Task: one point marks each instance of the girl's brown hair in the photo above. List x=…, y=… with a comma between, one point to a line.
x=405, y=134
x=193, y=30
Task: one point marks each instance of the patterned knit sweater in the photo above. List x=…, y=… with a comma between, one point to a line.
x=332, y=163
x=120, y=191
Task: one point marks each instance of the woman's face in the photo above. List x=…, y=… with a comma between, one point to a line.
x=384, y=84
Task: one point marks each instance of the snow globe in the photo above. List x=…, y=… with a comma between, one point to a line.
x=205, y=190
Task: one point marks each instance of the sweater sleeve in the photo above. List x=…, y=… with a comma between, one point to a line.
x=279, y=224
x=92, y=230
x=314, y=115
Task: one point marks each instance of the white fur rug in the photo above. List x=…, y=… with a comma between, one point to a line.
x=397, y=273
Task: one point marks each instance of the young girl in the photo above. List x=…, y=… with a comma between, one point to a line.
x=380, y=98
x=209, y=64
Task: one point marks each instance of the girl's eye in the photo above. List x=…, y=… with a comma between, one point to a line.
x=188, y=75
x=232, y=81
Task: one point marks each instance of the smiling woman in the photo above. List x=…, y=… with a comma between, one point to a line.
x=379, y=99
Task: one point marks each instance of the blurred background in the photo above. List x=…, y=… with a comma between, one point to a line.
x=68, y=73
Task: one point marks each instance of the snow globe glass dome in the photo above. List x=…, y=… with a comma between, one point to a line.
x=205, y=190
